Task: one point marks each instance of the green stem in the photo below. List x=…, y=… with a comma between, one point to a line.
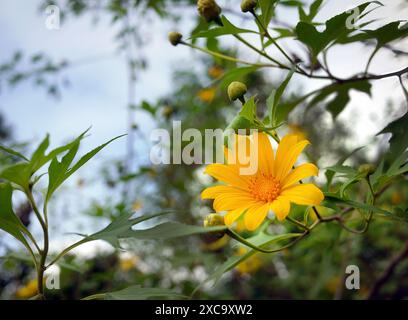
x=44, y=252
x=299, y=224
x=66, y=250
x=237, y=237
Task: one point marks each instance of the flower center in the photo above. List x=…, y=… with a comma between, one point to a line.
x=265, y=187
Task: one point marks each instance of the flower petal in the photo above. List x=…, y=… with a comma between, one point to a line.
x=303, y=171
x=233, y=215
x=240, y=150
x=281, y=207
x=213, y=192
x=227, y=173
x=288, y=157
x=255, y=215
x=265, y=154
x=303, y=194
x=231, y=201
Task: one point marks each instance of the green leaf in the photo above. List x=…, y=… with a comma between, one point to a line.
x=348, y=171
x=60, y=171
x=341, y=92
x=236, y=74
x=13, y=152
x=267, y=11
x=261, y=240
x=388, y=33
x=18, y=173
x=336, y=28
x=249, y=109
x=399, y=137
x=9, y=222
x=273, y=100
x=330, y=173
x=333, y=198
x=138, y=293
x=226, y=29
x=168, y=230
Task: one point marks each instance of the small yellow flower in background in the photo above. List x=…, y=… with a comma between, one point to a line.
x=137, y=205
x=28, y=291
x=250, y=265
x=332, y=284
x=396, y=197
x=273, y=187
x=127, y=263
x=206, y=95
x=297, y=130
x=215, y=72
x=217, y=244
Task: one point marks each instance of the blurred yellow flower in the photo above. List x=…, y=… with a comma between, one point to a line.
x=28, y=291
x=215, y=72
x=297, y=130
x=137, y=205
x=217, y=244
x=273, y=187
x=250, y=265
x=396, y=197
x=127, y=263
x=206, y=95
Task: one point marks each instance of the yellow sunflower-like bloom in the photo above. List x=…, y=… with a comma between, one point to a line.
x=273, y=187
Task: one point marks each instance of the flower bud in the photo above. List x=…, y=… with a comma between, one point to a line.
x=214, y=220
x=236, y=90
x=175, y=37
x=209, y=10
x=366, y=169
x=248, y=5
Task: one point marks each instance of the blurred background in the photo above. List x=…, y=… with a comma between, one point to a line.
x=109, y=65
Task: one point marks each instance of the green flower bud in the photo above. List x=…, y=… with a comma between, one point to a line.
x=248, y=5
x=209, y=10
x=175, y=37
x=214, y=220
x=236, y=90
x=366, y=169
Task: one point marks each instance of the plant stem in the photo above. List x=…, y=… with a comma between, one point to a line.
x=44, y=252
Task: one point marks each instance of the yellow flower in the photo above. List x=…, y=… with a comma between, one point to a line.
x=206, y=95
x=215, y=72
x=250, y=265
x=28, y=291
x=217, y=244
x=396, y=197
x=127, y=264
x=274, y=186
x=298, y=130
x=137, y=205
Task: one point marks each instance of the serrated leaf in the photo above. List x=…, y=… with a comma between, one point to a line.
x=13, y=152
x=261, y=240
x=236, y=74
x=168, y=230
x=60, y=171
x=399, y=137
x=138, y=293
x=274, y=98
x=341, y=92
x=331, y=197
x=9, y=222
x=267, y=10
x=227, y=29
x=336, y=28
x=249, y=109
